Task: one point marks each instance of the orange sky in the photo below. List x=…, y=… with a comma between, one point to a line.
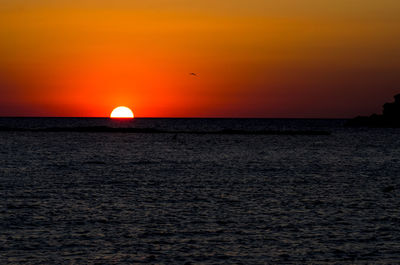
x=254, y=58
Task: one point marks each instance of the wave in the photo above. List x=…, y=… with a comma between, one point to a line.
x=105, y=129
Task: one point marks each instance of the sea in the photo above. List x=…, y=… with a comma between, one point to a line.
x=198, y=191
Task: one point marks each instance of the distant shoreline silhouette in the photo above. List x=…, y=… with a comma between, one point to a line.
x=390, y=117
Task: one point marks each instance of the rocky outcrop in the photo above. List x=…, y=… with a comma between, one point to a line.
x=390, y=118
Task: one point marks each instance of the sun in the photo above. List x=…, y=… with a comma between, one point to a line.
x=122, y=112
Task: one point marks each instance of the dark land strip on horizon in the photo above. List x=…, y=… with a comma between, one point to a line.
x=105, y=129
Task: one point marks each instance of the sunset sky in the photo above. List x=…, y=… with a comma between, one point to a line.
x=254, y=58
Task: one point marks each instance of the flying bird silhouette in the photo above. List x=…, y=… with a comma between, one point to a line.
x=194, y=74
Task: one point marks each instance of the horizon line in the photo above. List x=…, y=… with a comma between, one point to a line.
x=83, y=117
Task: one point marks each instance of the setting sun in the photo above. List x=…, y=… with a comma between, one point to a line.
x=122, y=112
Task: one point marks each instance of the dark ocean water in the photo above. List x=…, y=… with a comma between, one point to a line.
x=127, y=198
